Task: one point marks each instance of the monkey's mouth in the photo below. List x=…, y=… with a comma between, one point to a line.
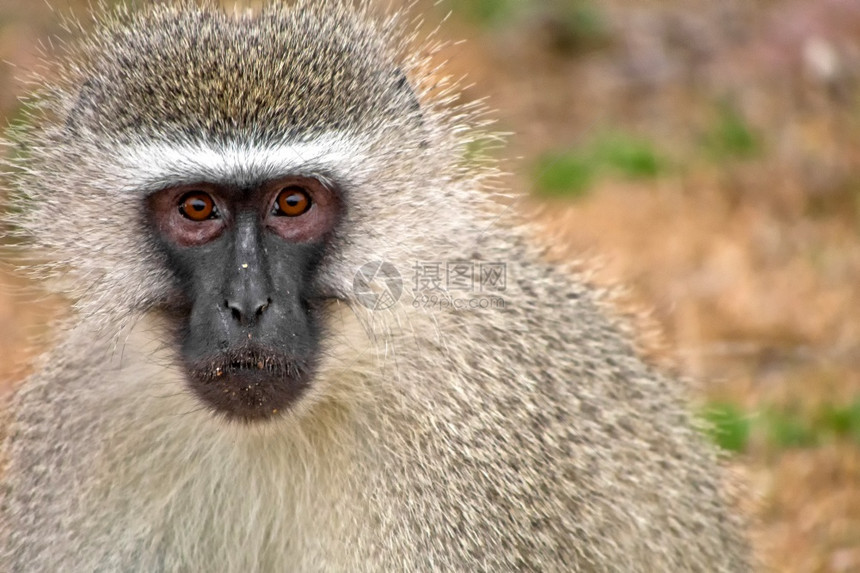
x=250, y=384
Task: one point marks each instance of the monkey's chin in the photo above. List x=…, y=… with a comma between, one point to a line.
x=249, y=386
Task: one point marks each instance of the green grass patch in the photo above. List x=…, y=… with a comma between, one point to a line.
x=840, y=421
x=634, y=158
x=728, y=426
x=785, y=430
x=572, y=172
x=733, y=429
x=486, y=13
x=564, y=174
x=731, y=136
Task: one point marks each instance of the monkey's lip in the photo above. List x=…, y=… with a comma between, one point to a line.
x=249, y=384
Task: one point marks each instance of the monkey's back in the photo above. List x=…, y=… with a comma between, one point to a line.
x=557, y=447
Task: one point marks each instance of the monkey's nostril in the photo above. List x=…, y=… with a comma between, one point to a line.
x=263, y=307
x=247, y=310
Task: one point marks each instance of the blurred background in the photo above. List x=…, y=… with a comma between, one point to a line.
x=708, y=154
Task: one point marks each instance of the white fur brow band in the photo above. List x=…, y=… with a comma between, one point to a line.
x=151, y=166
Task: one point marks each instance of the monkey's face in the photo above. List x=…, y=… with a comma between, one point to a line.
x=245, y=261
x=239, y=171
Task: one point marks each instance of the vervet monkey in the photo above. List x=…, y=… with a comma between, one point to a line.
x=215, y=191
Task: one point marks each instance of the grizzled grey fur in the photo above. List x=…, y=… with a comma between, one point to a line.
x=523, y=438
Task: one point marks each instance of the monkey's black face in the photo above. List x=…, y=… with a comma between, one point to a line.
x=245, y=260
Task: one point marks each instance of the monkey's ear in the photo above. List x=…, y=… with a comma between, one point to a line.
x=83, y=111
x=403, y=89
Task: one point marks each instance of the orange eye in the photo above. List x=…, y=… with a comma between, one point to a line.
x=292, y=202
x=197, y=206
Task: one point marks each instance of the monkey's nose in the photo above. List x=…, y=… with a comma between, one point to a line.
x=248, y=310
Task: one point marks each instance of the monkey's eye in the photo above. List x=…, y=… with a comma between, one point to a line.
x=197, y=206
x=292, y=202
